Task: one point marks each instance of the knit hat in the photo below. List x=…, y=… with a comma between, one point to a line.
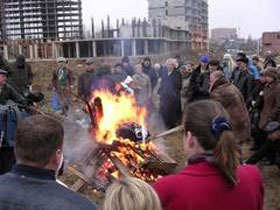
x=89, y=61
x=61, y=60
x=204, y=59
x=125, y=59
x=3, y=72
x=271, y=72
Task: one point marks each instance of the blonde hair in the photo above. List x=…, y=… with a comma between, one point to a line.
x=131, y=194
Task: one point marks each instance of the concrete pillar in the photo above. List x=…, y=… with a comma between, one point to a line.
x=6, y=54
x=134, y=47
x=54, y=50
x=94, y=53
x=20, y=49
x=57, y=50
x=31, y=53
x=36, y=54
x=122, y=48
x=46, y=50
x=69, y=50
x=166, y=43
x=146, y=47
x=77, y=50
x=89, y=53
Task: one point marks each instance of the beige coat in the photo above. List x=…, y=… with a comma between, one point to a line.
x=143, y=88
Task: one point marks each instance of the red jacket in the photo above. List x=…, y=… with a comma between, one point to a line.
x=201, y=187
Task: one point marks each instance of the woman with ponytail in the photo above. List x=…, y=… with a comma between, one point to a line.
x=213, y=179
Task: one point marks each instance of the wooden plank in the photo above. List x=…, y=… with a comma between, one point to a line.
x=80, y=182
x=168, y=132
x=78, y=185
x=122, y=168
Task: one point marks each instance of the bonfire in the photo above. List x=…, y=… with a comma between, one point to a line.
x=125, y=147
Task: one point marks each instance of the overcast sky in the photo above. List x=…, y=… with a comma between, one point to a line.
x=252, y=17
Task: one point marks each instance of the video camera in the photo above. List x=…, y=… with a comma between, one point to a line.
x=32, y=97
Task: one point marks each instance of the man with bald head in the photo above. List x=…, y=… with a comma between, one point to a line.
x=170, y=94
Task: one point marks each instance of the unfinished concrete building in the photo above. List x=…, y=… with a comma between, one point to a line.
x=194, y=13
x=137, y=38
x=40, y=19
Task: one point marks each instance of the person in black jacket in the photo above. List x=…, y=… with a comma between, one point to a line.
x=197, y=80
x=86, y=80
x=32, y=182
x=242, y=78
x=170, y=95
x=127, y=66
x=257, y=104
x=21, y=77
x=150, y=71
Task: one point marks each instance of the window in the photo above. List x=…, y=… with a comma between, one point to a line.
x=166, y=12
x=166, y=3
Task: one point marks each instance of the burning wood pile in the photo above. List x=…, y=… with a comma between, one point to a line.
x=125, y=147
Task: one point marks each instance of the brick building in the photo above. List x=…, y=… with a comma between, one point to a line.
x=271, y=42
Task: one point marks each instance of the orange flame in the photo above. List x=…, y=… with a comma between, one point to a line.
x=117, y=110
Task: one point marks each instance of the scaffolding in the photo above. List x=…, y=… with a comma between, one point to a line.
x=41, y=19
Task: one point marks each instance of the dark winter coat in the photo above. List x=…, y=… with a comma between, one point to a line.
x=119, y=77
x=244, y=81
x=199, y=85
x=271, y=104
x=258, y=95
x=232, y=100
x=129, y=70
x=32, y=188
x=170, y=97
x=8, y=93
x=203, y=85
x=21, y=76
x=85, y=83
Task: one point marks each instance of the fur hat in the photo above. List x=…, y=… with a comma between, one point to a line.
x=271, y=72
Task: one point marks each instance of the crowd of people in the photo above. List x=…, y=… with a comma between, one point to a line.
x=220, y=103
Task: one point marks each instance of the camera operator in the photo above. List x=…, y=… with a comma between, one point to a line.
x=7, y=92
x=13, y=107
x=270, y=112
